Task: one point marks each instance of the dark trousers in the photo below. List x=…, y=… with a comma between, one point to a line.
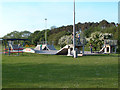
x=91, y=50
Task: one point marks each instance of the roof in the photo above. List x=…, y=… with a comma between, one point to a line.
x=15, y=39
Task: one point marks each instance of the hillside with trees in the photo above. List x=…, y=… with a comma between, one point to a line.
x=55, y=33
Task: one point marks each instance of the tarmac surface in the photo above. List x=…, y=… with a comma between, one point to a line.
x=53, y=52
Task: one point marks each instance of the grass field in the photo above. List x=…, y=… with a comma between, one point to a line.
x=50, y=71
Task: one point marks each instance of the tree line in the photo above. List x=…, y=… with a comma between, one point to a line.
x=55, y=33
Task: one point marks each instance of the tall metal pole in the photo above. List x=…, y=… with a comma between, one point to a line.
x=74, y=50
x=46, y=31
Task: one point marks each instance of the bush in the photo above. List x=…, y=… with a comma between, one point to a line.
x=26, y=45
x=65, y=40
x=55, y=37
x=32, y=45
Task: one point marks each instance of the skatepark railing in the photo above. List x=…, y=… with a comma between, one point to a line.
x=111, y=42
x=82, y=42
x=45, y=42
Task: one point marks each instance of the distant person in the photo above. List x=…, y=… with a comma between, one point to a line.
x=91, y=47
x=79, y=38
x=41, y=47
x=19, y=45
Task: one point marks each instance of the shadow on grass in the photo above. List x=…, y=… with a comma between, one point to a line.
x=44, y=55
x=55, y=73
x=105, y=55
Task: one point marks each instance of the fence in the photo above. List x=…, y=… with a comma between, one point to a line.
x=45, y=42
x=111, y=42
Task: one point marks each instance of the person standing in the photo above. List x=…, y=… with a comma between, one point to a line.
x=41, y=47
x=79, y=39
x=91, y=47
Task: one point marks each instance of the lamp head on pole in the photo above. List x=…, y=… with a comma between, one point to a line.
x=45, y=18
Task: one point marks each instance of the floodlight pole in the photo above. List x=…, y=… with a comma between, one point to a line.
x=74, y=50
x=46, y=31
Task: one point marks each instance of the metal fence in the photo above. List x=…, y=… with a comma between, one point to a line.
x=45, y=42
x=111, y=42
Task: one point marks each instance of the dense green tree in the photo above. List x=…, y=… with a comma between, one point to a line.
x=53, y=27
x=64, y=40
x=96, y=40
x=14, y=34
x=25, y=34
x=56, y=33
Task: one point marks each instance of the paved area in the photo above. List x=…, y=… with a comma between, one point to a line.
x=89, y=53
x=52, y=52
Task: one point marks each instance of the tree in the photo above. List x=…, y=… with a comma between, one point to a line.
x=53, y=27
x=56, y=33
x=14, y=34
x=25, y=34
x=65, y=40
x=96, y=40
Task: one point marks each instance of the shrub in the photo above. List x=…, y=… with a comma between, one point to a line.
x=26, y=45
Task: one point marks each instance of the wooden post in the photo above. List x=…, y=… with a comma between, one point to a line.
x=8, y=48
x=115, y=49
x=5, y=48
x=83, y=50
x=18, y=46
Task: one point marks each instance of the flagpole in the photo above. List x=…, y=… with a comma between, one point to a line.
x=74, y=50
x=46, y=31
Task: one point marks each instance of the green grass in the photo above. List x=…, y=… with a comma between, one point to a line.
x=50, y=71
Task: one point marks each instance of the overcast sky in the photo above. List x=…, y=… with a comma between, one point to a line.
x=30, y=16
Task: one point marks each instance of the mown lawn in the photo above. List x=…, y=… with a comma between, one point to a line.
x=50, y=71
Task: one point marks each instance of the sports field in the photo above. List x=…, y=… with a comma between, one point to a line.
x=52, y=71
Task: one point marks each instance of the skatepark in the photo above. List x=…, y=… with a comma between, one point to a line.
x=68, y=49
x=78, y=57
x=45, y=48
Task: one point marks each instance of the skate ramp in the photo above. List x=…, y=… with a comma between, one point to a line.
x=38, y=47
x=51, y=47
x=102, y=50
x=64, y=50
x=29, y=50
x=48, y=47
